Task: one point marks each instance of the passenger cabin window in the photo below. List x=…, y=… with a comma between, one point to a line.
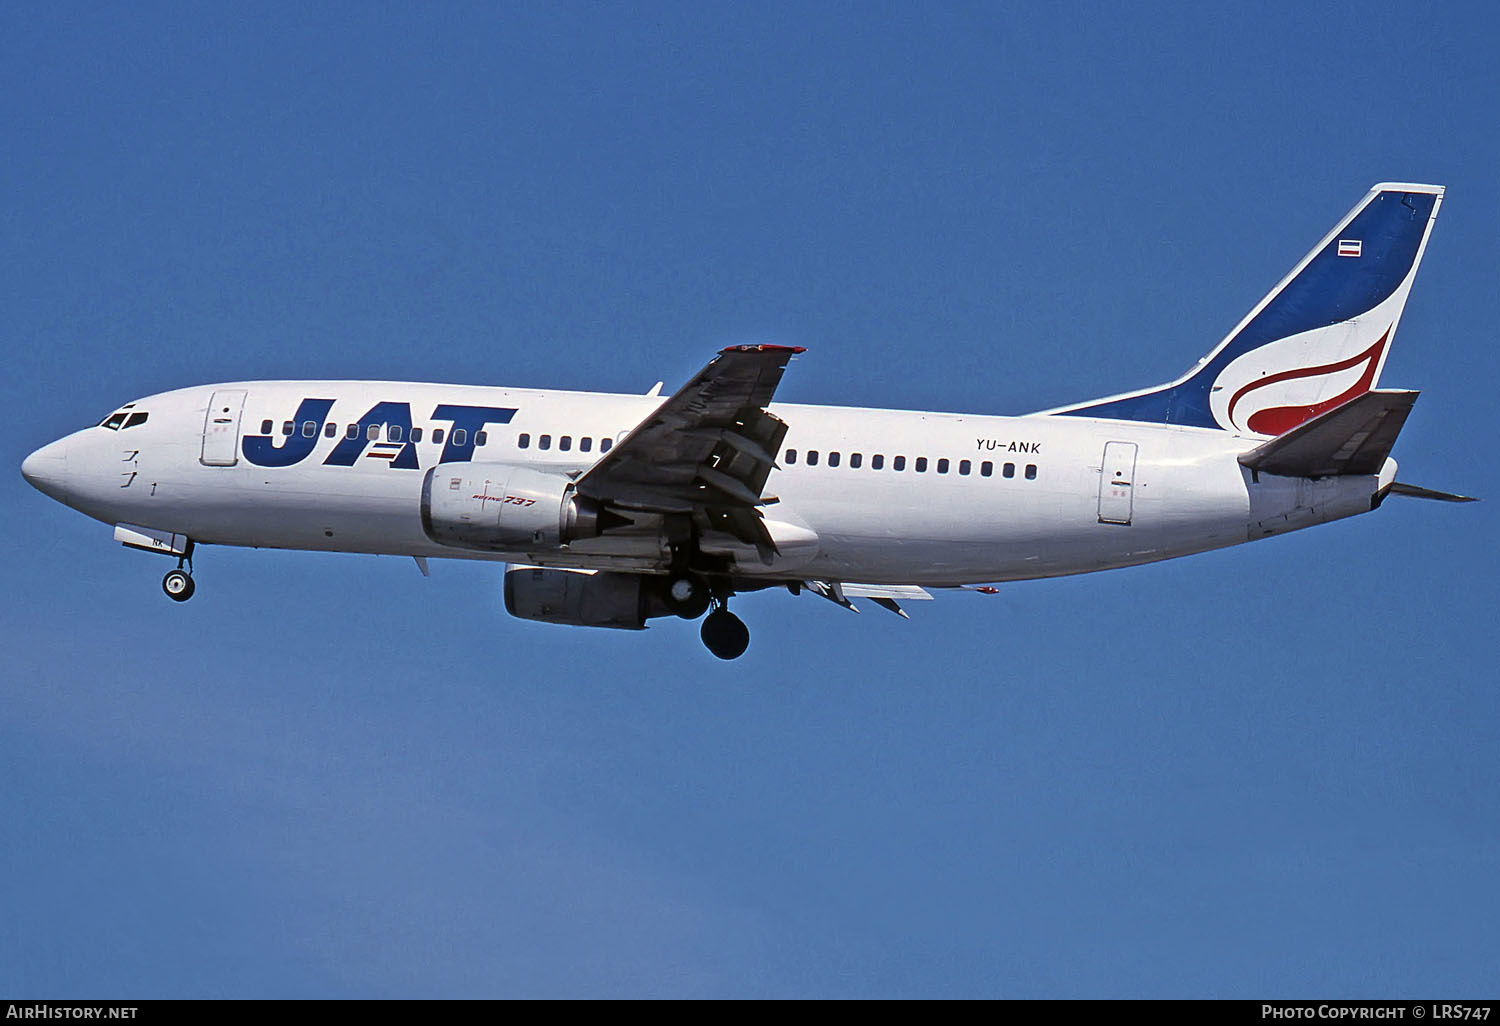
x=416, y=434
x=855, y=459
x=330, y=429
x=1031, y=471
x=585, y=444
x=545, y=442
x=460, y=437
x=393, y=433
x=481, y=438
x=524, y=441
x=963, y=467
x=372, y=433
x=287, y=427
x=833, y=459
x=791, y=457
x=899, y=463
x=877, y=462
x=309, y=429
x=565, y=442
x=1009, y=470
x=606, y=444
x=812, y=457
x=942, y=466
x=921, y=464
x=437, y=436
x=265, y=427
x=351, y=432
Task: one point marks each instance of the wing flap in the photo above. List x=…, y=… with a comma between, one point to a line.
x=904, y=592
x=883, y=595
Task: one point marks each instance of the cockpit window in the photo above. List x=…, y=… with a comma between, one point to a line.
x=123, y=418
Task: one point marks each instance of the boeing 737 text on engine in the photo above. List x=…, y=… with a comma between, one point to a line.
x=615, y=509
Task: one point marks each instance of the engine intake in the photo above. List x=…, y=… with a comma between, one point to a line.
x=504, y=508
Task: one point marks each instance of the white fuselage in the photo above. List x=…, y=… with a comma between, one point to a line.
x=1012, y=498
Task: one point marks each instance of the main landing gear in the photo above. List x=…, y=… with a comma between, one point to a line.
x=687, y=595
x=178, y=584
x=690, y=595
x=690, y=592
x=725, y=634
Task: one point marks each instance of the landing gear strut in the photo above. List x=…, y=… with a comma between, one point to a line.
x=725, y=634
x=178, y=584
x=689, y=593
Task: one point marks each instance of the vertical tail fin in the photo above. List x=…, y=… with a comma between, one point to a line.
x=1319, y=339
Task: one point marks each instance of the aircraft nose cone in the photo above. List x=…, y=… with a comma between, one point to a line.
x=46, y=470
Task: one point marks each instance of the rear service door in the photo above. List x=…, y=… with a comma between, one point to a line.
x=1117, y=483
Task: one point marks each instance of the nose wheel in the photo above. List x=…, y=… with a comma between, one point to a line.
x=178, y=584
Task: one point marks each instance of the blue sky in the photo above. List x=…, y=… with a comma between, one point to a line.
x=1264, y=771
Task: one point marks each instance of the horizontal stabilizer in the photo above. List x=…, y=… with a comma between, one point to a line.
x=1354, y=438
x=1418, y=492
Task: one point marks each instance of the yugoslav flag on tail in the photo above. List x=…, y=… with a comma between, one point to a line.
x=1317, y=341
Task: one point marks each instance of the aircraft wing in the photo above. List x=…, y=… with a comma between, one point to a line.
x=883, y=595
x=707, y=450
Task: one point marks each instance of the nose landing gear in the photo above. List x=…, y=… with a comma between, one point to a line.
x=178, y=584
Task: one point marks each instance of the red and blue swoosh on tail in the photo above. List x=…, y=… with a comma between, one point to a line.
x=1248, y=407
x=1317, y=341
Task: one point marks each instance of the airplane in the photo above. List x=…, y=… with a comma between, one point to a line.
x=611, y=510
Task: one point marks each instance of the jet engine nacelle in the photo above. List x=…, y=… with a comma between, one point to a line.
x=503, y=508
x=580, y=598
